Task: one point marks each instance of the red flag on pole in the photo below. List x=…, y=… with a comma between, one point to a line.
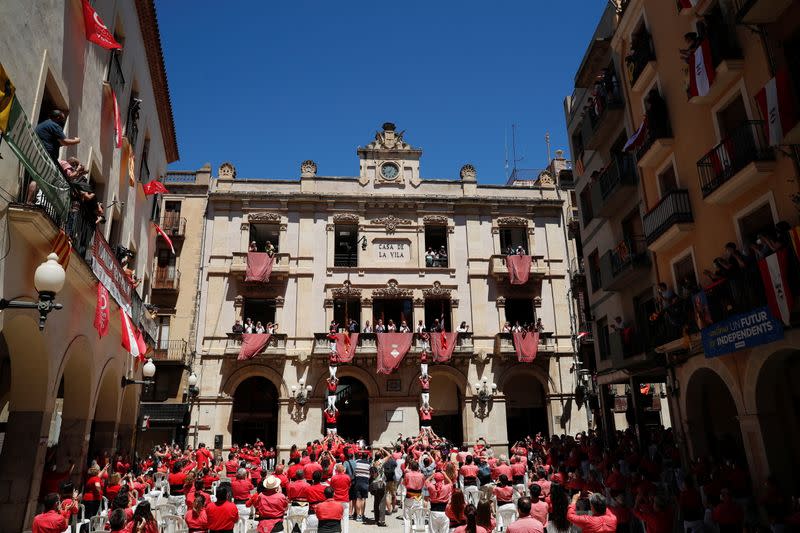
x=166, y=237
x=117, y=122
x=154, y=187
x=102, y=312
x=129, y=340
x=96, y=31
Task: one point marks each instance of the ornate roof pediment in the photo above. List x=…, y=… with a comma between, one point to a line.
x=512, y=221
x=392, y=290
x=390, y=222
x=346, y=291
x=345, y=218
x=437, y=291
x=438, y=220
x=263, y=216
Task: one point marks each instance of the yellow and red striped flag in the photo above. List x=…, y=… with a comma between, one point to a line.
x=62, y=248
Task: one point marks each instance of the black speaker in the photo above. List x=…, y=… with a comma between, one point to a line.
x=217, y=442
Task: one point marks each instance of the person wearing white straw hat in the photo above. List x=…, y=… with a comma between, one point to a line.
x=270, y=504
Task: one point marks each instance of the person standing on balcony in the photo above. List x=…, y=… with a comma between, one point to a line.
x=367, y=327
x=270, y=249
x=253, y=247
x=51, y=134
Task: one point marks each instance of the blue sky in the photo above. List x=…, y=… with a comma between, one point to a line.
x=267, y=84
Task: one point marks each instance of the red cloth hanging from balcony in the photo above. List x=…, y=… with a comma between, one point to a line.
x=775, y=275
x=526, y=343
x=259, y=267
x=346, y=346
x=392, y=348
x=519, y=268
x=701, y=70
x=96, y=31
x=777, y=107
x=442, y=345
x=252, y=345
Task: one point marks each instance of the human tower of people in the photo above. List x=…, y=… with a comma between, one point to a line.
x=563, y=484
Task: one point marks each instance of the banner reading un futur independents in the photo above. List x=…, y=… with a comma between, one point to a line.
x=745, y=330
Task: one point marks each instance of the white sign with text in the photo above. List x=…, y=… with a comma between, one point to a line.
x=397, y=251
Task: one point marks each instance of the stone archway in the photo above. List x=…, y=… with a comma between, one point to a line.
x=448, y=399
x=712, y=417
x=103, y=434
x=778, y=407
x=73, y=390
x=526, y=407
x=255, y=412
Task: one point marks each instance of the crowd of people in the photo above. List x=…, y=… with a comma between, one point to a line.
x=253, y=327
x=518, y=327
x=564, y=484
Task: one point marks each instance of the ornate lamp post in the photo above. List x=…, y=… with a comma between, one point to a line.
x=48, y=279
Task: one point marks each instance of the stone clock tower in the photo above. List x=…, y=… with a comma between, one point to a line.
x=388, y=161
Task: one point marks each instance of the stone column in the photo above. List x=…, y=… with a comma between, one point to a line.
x=755, y=448
x=21, y=466
x=73, y=443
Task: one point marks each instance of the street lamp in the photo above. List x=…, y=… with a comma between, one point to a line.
x=484, y=391
x=148, y=372
x=301, y=392
x=48, y=279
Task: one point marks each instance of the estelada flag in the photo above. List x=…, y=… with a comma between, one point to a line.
x=701, y=70
x=102, y=318
x=129, y=336
x=6, y=98
x=141, y=344
x=154, y=187
x=777, y=107
x=117, y=122
x=96, y=31
x=775, y=275
x=166, y=237
x=62, y=248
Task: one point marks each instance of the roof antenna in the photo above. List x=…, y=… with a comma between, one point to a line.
x=514, y=147
x=547, y=141
x=505, y=144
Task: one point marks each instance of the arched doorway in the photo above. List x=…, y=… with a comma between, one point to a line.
x=447, y=401
x=526, y=407
x=255, y=412
x=712, y=418
x=352, y=400
x=778, y=404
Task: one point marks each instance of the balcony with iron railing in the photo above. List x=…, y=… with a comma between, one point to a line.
x=624, y=264
x=132, y=122
x=577, y=273
x=504, y=343
x=726, y=62
x=656, y=133
x=498, y=268
x=669, y=220
x=115, y=77
x=754, y=12
x=171, y=350
x=280, y=265
x=615, y=185
x=166, y=278
x=233, y=344
x=740, y=162
x=606, y=110
x=345, y=260
x=173, y=225
x=641, y=62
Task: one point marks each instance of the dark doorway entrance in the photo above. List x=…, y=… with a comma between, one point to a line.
x=255, y=412
x=353, y=404
x=526, y=409
x=520, y=310
x=259, y=310
x=346, y=309
x=447, y=401
x=395, y=310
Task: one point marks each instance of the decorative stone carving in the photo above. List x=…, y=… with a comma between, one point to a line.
x=437, y=291
x=263, y=216
x=468, y=173
x=390, y=222
x=345, y=218
x=454, y=302
x=279, y=301
x=419, y=302
x=328, y=302
x=227, y=171
x=238, y=301
x=434, y=220
x=537, y=301
x=389, y=139
x=366, y=302
x=346, y=291
x=392, y=291
x=545, y=179
x=308, y=169
x=500, y=302
x=512, y=221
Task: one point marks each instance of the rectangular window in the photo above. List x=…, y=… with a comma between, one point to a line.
x=586, y=205
x=163, y=332
x=520, y=311
x=757, y=221
x=263, y=234
x=436, y=246
x=259, y=310
x=512, y=237
x=683, y=269
x=345, y=310
x=731, y=117
x=345, y=253
x=667, y=181
x=144, y=167
x=438, y=309
x=395, y=310
x=603, y=340
x=594, y=270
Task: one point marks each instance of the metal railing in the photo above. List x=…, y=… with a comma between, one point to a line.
x=641, y=54
x=674, y=208
x=173, y=224
x=603, y=101
x=166, y=278
x=621, y=171
x=345, y=260
x=116, y=79
x=170, y=350
x=132, y=122
x=745, y=145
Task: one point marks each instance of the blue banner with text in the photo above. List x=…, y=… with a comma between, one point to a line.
x=744, y=330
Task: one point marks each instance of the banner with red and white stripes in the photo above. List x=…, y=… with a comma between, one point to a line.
x=775, y=275
x=130, y=337
x=777, y=107
x=701, y=70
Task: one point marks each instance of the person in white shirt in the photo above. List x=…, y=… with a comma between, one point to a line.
x=259, y=328
x=367, y=327
x=507, y=327
x=390, y=327
x=248, y=325
x=404, y=327
x=462, y=328
x=379, y=327
x=420, y=327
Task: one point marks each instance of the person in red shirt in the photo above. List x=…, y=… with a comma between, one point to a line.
x=270, y=504
x=331, y=414
x=52, y=520
x=202, y=456
x=526, y=522
x=414, y=481
x=502, y=469
x=657, y=518
x=143, y=520
x=600, y=521
x=113, y=486
x=341, y=487
x=311, y=467
x=440, y=489
x=539, y=508
x=284, y=479
x=315, y=493
x=329, y=513
x=232, y=465
x=92, y=492
x=222, y=514
x=728, y=515
x=196, y=517
x=241, y=487
x=518, y=470
x=425, y=417
x=298, y=503
x=425, y=386
x=469, y=471
x=504, y=494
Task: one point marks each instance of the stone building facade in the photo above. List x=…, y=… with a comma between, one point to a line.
x=355, y=247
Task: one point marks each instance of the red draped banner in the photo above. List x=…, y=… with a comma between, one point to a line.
x=259, y=267
x=346, y=346
x=442, y=345
x=392, y=348
x=252, y=345
x=519, y=268
x=526, y=343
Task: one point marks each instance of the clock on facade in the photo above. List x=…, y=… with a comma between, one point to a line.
x=390, y=171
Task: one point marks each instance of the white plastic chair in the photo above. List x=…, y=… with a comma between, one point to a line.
x=174, y=524
x=97, y=523
x=419, y=520
x=471, y=494
x=505, y=517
